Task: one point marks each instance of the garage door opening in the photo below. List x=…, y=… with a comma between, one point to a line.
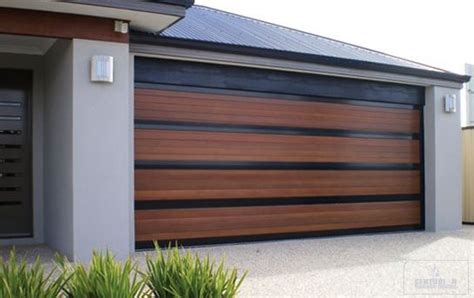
x=225, y=154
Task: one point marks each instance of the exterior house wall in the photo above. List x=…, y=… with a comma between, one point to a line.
x=59, y=148
x=88, y=152
x=131, y=153
x=35, y=63
x=88, y=144
x=102, y=184
x=443, y=164
x=83, y=177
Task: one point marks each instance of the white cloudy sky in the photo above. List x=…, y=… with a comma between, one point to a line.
x=435, y=32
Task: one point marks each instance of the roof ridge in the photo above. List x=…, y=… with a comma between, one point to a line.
x=328, y=39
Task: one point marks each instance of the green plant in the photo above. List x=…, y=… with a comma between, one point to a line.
x=18, y=279
x=104, y=278
x=176, y=275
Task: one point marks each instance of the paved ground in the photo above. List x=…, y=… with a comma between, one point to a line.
x=384, y=265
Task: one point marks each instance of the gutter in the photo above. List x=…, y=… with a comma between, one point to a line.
x=185, y=3
x=152, y=39
x=168, y=7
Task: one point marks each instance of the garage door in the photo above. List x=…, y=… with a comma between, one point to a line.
x=235, y=154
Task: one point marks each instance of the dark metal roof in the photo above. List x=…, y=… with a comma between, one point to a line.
x=185, y=3
x=208, y=28
x=153, y=6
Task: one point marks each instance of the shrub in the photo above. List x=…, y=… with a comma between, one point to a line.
x=167, y=275
x=185, y=276
x=17, y=279
x=104, y=278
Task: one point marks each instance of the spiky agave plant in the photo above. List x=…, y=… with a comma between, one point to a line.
x=18, y=279
x=176, y=275
x=103, y=278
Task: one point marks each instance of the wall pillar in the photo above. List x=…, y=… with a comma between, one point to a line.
x=443, y=164
x=88, y=130
x=101, y=153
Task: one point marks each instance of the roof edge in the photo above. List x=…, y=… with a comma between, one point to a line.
x=169, y=7
x=153, y=39
x=185, y=3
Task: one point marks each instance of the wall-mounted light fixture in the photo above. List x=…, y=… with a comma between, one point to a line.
x=102, y=69
x=121, y=27
x=450, y=103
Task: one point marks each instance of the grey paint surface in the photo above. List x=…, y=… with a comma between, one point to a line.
x=443, y=162
x=88, y=150
x=101, y=155
x=59, y=148
x=131, y=153
x=469, y=112
x=34, y=63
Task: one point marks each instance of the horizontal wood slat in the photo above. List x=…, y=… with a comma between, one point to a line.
x=215, y=146
x=151, y=104
x=239, y=221
x=222, y=184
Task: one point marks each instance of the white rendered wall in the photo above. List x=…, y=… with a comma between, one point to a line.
x=443, y=162
x=102, y=184
x=58, y=171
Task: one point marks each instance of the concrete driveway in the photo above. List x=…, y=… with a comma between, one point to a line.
x=393, y=264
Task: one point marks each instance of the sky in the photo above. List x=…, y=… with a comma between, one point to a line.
x=434, y=32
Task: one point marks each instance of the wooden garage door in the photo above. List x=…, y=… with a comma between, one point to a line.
x=214, y=164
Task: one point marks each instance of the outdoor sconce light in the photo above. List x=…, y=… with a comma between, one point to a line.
x=450, y=103
x=102, y=69
x=121, y=27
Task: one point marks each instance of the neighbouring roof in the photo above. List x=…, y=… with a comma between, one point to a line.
x=208, y=28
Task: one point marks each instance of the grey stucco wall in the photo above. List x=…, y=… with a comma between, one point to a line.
x=35, y=63
x=59, y=148
x=102, y=182
x=131, y=148
x=88, y=154
x=443, y=162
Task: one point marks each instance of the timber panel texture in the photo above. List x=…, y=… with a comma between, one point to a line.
x=219, y=164
x=468, y=175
